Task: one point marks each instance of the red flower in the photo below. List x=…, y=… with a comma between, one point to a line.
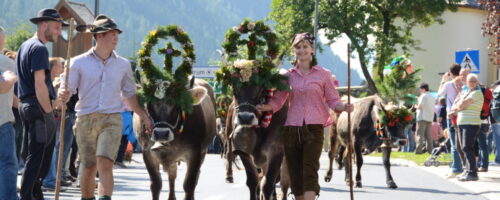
x=251, y=43
x=396, y=120
x=408, y=118
x=391, y=124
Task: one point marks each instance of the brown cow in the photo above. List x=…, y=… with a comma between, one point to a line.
x=258, y=148
x=166, y=147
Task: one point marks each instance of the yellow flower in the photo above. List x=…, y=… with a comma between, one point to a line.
x=141, y=52
x=154, y=33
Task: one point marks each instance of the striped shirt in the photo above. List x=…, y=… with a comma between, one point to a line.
x=470, y=115
x=100, y=84
x=312, y=93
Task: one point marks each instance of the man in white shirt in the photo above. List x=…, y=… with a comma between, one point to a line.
x=425, y=114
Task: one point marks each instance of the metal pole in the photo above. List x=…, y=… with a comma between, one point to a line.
x=96, y=8
x=349, y=135
x=316, y=16
x=63, y=112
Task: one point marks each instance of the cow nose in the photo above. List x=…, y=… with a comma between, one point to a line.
x=162, y=134
x=245, y=118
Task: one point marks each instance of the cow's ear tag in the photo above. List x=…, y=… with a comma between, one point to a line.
x=199, y=93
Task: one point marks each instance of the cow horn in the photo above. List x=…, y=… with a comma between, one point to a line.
x=382, y=106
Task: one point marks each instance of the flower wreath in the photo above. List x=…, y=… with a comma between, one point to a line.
x=390, y=118
x=155, y=83
x=223, y=101
x=257, y=71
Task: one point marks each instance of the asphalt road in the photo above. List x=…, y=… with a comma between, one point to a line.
x=132, y=183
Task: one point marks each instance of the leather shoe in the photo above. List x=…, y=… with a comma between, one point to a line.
x=482, y=169
x=66, y=183
x=468, y=177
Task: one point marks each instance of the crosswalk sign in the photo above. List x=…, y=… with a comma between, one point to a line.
x=468, y=60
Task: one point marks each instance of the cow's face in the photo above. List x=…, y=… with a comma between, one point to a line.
x=169, y=118
x=396, y=127
x=247, y=97
x=245, y=118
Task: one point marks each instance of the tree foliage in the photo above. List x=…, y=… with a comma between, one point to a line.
x=20, y=34
x=491, y=26
x=388, y=22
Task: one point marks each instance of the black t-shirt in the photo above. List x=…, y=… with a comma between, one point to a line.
x=31, y=57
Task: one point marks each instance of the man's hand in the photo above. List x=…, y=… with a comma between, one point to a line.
x=63, y=95
x=446, y=77
x=148, y=124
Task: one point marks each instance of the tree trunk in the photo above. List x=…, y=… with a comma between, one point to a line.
x=366, y=73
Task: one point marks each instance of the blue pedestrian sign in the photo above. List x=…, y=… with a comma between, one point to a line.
x=468, y=60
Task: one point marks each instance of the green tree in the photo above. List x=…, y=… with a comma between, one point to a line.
x=389, y=22
x=398, y=80
x=19, y=35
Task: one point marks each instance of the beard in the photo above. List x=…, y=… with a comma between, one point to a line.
x=50, y=36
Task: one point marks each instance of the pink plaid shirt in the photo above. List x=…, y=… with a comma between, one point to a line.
x=311, y=95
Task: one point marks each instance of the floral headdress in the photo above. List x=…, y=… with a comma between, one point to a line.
x=254, y=70
x=155, y=84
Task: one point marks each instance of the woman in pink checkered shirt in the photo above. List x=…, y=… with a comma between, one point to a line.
x=313, y=93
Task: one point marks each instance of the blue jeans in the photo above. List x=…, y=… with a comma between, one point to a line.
x=489, y=141
x=50, y=179
x=495, y=130
x=8, y=162
x=483, y=146
x=410, y=146
x=456, y=165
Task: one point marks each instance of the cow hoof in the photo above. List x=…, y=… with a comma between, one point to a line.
x=229, y=180
x=359, y=185
x=328, y=179
x=391, y=184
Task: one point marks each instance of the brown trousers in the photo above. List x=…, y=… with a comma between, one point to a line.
x=303, y=146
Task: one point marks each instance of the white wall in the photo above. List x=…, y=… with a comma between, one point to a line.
x=461, y=31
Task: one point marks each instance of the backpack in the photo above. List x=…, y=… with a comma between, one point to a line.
x=488, y=96
x=495, y=105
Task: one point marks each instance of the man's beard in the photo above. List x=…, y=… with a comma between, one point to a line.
x=50, y=36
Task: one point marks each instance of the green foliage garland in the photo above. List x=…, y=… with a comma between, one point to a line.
x=164, y=85
x=400, y=78
x=399, y=115
x=254, y=70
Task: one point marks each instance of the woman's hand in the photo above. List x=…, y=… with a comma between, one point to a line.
x=348, y=107
x=264, y=108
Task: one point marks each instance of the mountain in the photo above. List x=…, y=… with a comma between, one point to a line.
x=206, y=21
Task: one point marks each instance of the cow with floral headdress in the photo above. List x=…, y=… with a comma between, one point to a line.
x=182, y=109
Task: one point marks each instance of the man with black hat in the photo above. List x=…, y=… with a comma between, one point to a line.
x=101, y=77
x=36, y=93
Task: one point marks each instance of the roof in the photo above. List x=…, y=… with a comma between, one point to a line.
x=81, y=9
x=85, y=13
x=470, y=4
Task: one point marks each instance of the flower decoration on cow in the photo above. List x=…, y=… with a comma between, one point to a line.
x=258, y=67
x=223, y=101
x=399, y=115
x=156, y=83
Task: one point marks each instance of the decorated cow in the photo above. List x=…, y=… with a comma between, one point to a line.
x=373, y=125
x=251, y=135
x=182, y=109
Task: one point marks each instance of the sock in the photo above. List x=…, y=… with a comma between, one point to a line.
x=92, y=198
x=104, y=197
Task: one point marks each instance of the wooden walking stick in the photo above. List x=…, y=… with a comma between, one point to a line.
x=349, y=135
x=63, y=113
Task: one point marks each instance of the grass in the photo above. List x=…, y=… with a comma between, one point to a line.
x=444, y=158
